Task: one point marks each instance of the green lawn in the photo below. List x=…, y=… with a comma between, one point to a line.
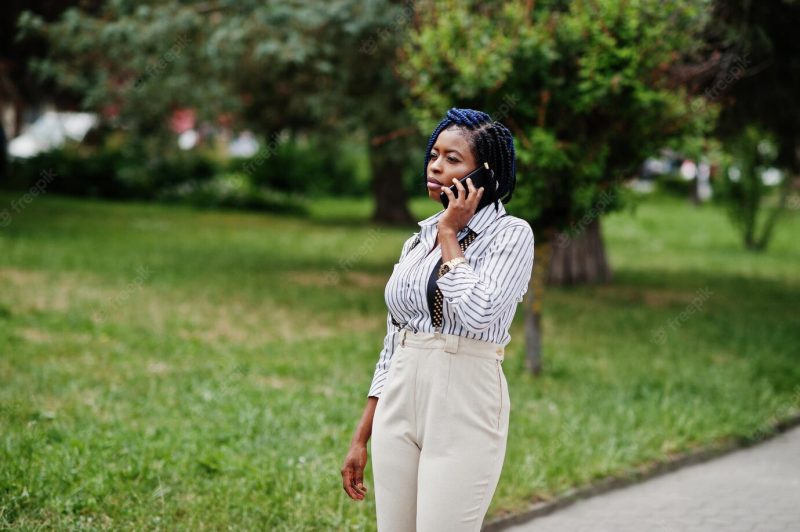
x=180, y=369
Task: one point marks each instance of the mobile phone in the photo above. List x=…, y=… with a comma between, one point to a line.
x=482, y=176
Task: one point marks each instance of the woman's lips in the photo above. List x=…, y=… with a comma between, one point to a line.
x=434, y=185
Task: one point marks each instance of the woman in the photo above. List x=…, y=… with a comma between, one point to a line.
x=440, y=427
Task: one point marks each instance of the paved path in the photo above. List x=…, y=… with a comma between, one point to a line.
x=752, y=489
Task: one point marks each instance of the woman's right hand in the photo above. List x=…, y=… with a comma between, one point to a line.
x=353, y=471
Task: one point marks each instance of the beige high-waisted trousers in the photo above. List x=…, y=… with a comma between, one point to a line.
x=439, y=433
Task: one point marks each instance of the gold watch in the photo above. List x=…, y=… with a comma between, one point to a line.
x=450, y=265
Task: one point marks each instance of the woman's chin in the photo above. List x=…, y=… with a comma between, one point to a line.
x=433, y=193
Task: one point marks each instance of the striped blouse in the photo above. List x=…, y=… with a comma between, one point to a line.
x=479, y=296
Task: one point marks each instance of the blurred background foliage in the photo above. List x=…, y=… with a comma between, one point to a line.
x=590, y=90
x=295, y=70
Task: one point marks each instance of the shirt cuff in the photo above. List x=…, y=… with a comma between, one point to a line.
x=457, y=282
x=378, y=380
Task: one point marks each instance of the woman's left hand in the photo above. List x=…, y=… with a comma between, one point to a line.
x=460, y=210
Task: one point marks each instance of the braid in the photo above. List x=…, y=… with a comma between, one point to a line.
x=490, y=141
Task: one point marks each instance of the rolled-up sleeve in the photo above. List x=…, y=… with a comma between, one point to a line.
x=478, y=298
x=389, y=341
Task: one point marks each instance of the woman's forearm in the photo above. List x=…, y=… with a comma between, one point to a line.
x=449, y=243
x=363, y=431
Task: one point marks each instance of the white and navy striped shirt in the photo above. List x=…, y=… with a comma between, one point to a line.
x=479, y=296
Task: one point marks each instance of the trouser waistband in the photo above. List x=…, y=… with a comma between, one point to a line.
x=452, y=343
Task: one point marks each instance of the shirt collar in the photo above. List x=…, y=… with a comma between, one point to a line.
x=479, y=221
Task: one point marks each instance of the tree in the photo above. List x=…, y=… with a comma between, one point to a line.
x=304, y=67
x=743, y=189
x=584, y=86
x=18, y=88
x=757, y=52
x=751, y=71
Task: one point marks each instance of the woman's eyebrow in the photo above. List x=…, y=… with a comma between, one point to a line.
x=452, y=151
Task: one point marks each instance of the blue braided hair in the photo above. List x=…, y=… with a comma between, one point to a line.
x=490, y=141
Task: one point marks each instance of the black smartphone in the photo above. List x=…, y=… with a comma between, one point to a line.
x=482, y=176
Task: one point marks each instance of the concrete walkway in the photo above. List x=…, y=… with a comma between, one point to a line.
x=752, y=489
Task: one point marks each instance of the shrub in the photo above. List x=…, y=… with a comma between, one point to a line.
x=310, y=167
x=232, y=190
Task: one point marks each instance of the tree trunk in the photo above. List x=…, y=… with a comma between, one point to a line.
x=579, y=257
x=533, y=307
x=3, y=156
x=387, y=186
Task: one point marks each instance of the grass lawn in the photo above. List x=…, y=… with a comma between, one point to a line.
x=185, y=369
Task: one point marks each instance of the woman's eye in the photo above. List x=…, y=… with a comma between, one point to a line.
x=449, y=159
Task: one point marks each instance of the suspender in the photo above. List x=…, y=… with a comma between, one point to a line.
x=432, y=286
